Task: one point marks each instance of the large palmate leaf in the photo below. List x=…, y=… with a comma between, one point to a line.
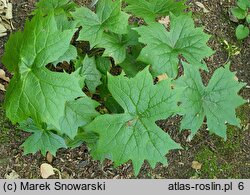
x=116, y=45
x=41, y=139
x=41, y=95
x=45, y=141
x=149, y=10
x=35, y=91
x=108, y=17
x=134, y=135
x=163, y=47
x=217, y=102
x=77, y=114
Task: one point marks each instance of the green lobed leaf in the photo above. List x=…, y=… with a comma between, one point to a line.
x=41, y=95
x=134, y=135
x=217, y=102
x=41, y=139
x=149, y=10
x=78, y=113
x=34, y=91
x=116, y=45
x=163, y=47
x=89, y=72
x=108, y=17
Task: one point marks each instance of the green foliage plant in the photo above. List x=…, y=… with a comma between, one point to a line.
x=241, y=12
x=89, y=76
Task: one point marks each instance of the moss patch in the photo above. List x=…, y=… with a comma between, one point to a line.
x=225, y=159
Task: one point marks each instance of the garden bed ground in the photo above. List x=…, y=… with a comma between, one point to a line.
x=219, y=159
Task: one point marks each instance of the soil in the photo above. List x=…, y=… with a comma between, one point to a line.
x=219, y=159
